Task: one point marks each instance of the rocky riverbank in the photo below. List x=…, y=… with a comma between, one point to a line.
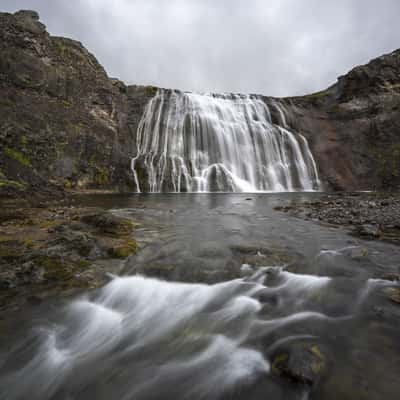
x=367, y=215
x=55, y=248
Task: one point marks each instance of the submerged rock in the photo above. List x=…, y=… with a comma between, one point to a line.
x=302, y=364
x=109, y=223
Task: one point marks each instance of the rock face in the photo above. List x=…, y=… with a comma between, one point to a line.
x=65, y=124
x=353, y=127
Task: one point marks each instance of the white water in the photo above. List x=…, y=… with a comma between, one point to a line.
x=189, y=142
x=144, y=337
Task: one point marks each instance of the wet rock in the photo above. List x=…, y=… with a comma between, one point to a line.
x=158, y=271
x=376, y=222
x=109, y=223
x=56, y=252
x=302, y=364
x=367, y=231
x=262, y=256
x=357, y=253
x=393, y=294
x=81, y=242
x=124, y=249
x=393, y=277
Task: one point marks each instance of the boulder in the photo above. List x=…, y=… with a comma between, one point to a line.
x=302, y=363
x=109, y=223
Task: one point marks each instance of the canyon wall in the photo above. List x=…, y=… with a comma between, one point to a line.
x=64, y=124
x=353, y=127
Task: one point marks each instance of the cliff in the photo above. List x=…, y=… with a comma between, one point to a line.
x=65, y=124
x=353, y=127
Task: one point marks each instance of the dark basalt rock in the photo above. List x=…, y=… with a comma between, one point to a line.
x=303, y=364
x=353, y=127
x=393, y=277
x=64, y=122
x=109, y=223
x=367, y=231
x=368, y=216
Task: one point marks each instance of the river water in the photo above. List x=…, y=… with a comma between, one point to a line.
x=223, y=291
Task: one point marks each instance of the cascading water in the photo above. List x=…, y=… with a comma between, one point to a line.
x=188, y=142
x=149, y=339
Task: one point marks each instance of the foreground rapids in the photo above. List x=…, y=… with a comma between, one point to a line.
x=189, y=142
x=227, y=299
x=138, y=338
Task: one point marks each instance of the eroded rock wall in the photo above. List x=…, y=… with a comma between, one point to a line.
x=353, y=127
x=63, y=122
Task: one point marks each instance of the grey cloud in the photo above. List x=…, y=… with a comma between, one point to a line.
x=274, y=47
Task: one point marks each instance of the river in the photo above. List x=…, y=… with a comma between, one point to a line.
x=227, y=299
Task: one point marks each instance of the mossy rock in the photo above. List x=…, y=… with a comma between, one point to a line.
x=302, y=364
x=278, y=363
x=124, y=250
x=151, y=90
x=109, y=223
x=55, y=269
x=9, y=253
x=5, y=183
x=83, y=264
x=18, y=156
x=102, y=176
x=318, y=95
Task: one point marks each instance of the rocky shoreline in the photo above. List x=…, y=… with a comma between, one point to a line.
x=55, y=248
x=373, y=216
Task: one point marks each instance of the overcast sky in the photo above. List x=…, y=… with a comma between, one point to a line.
x=273, y=47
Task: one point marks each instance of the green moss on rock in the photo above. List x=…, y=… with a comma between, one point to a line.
x=9, y=253
x=82, y=264
x=101, y=176
x=151, y=90
x=318, y=95
x=124, y=249
x=4, y=183
x=278, y=362
x=55, y=269
x=18, y=156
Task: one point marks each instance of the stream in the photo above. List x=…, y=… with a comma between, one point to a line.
x=227, y=299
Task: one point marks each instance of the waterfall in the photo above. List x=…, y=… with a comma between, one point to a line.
x=189, y=142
